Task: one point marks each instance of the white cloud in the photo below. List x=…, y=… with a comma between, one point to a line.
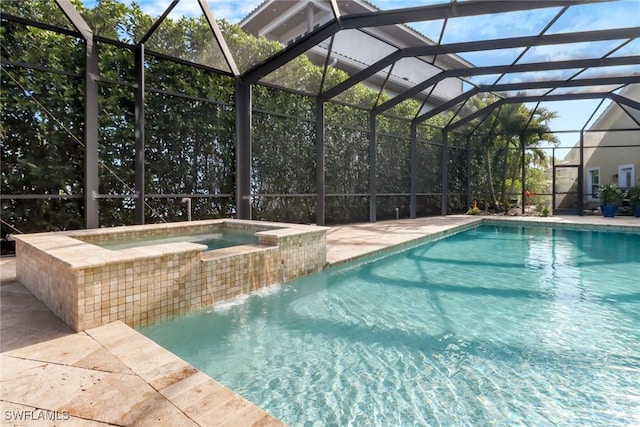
x=572, y=115
x=492, y=57
x=231, y=10
x=185, y=8
x=564, y=52
x=599, y=16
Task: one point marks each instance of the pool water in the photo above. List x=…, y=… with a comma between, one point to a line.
x=215, y=240
x=491, y=326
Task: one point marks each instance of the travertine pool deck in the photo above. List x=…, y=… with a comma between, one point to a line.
x=112, y=375
x=345, y=243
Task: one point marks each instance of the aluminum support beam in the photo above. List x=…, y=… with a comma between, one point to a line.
x=581, y=176
x=624, y=101
x=36, y=24
x=553, y=180
x=213, y=25
x=631, y=116
x=413, y=169
x=444, y=11
x=291, y=52
x=394, y=17
x=523, y=171
x=75, y=18
x=158, y=21
x=139, y=113
x=525, y=41
x=541, y=98
x=506, y=69
x=505, y=87
x=320, y=164
x=243, y=149
x=456, y=48
x=91, y=125
x=444, y=168
x=469, y=159
x=373, y=159
x=38, y=67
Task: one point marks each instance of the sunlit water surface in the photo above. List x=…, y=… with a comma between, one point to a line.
x=213, y=240
x=492, y=326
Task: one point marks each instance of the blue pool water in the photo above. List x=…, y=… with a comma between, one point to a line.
x=213, y=240
x=491, y=326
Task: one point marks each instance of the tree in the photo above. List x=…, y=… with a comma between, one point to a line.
x=42, y=123
x=190, y=125
x=505, y=136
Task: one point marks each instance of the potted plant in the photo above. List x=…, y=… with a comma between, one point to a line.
x=633, y=195
x=610, y=195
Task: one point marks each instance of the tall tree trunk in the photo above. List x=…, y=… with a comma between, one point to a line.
x=487, y=167
x=515, y=171
x=515, y=174
x=505, y=168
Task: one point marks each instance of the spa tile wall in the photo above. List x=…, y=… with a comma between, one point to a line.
x=55, y=282
x=144, y=285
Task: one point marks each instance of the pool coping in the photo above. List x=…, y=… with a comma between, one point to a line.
x=380, y=248
x=116, y=376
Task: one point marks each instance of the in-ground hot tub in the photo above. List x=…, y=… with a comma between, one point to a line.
x=212, y=239
x=93, y=277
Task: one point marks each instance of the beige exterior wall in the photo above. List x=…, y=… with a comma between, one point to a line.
x=609, y=161
x=613, y=149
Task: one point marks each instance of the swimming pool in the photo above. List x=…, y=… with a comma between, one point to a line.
x=494, y=325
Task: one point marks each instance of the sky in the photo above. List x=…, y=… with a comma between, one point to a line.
x=571, y=114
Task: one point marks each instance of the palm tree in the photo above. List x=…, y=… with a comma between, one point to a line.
x=513, y=130
x=534, y=132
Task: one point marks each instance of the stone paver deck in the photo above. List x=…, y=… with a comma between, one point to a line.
x=112, y=375
x=345, y=243
x=348, y=242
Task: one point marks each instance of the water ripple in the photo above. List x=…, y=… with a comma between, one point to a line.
x=500, y=328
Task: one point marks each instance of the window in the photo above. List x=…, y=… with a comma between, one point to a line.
x=626, y=176
x=593, y=182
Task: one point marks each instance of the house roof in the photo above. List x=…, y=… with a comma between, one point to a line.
x=353, y=50
x=613, y=111
x=269, y=9
x=272, y=10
